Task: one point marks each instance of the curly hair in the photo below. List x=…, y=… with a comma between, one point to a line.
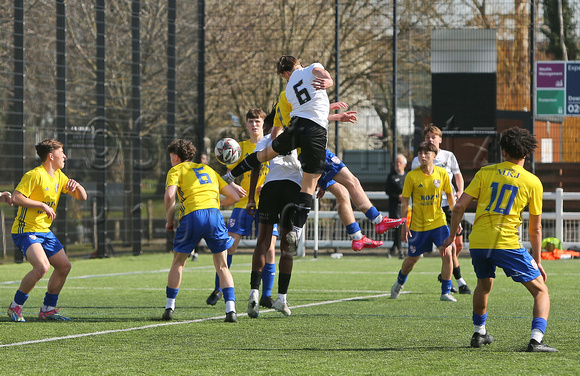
x=184, y=149
x=518, y=142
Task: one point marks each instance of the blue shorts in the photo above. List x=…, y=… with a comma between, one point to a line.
x=422, y=241
x=332, y=166
x=241, y=223
x=516, y=263
x=204, y=223
x=49, y=242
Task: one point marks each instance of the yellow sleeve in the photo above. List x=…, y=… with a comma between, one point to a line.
x=283, y=109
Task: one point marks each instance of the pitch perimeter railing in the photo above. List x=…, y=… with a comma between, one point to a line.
x=324, y=229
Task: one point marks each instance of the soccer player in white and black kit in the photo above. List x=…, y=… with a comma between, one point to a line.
x=308, y=130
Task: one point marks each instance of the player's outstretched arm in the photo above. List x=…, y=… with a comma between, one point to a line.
x=458, y=211
x=6, y=197
x=231, y=195
x=344, y=117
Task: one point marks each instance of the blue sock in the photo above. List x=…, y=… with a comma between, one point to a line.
x=372, y=213
x=352, y=228
x=171, y=293
x=229, y=294
x=446, y=286
x=217, y=278
x=402, y=278
x=217, y=282
x=268, y=276
x=50, y=300
x=479, y=320
x=20, y=297
x=539, y=323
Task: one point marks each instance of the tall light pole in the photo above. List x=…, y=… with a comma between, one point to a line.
x=394, y=120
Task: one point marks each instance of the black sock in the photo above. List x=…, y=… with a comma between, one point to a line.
x=248, y=164
x=302, y=208
x=457, y=272
x=255, y=279
x=283, y=283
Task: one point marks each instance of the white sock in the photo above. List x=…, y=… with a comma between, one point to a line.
x=46, y=308
x=479, y=329
x=378, y=219
x=254, y=290
x=13, y=304
x=230, y=306
x=356, y=236
x=170, y=303
x=461, y=282
x=537, y=335
x=282, y=297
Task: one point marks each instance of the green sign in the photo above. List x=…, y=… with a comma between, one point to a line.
x=550, y=102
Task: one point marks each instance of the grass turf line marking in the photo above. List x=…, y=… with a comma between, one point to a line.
x=103, y=332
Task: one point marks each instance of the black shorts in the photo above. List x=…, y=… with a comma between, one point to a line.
x=310, y=137
x=274, y=197
x=448, y=213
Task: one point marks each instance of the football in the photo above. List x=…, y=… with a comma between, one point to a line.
x=228, y=151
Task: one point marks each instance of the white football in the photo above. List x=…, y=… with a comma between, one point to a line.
x=228, y=151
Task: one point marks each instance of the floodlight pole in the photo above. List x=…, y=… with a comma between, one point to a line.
x=337, y=73
x=394, y=120
x=532, y=74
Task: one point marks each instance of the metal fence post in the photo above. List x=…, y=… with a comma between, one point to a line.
x=559, y=213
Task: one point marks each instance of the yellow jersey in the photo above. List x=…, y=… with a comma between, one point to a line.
x=283, y=109
x=38, y=185
x=426, y=193
x=502, y=192
x=198, y=186
x=282, y=118
x=248, y=148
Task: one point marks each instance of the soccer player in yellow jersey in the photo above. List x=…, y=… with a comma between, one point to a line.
x=241, y=223
x=502, y=192
x=425, y=185
x=37, y=196
x=198, y=188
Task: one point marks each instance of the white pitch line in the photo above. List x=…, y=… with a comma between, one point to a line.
x=176, y=322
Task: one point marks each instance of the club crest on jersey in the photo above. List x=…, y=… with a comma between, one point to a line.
x=232, y=222
x=437, y=183
x=32, y=237
x=56, y=188
x=335, y=160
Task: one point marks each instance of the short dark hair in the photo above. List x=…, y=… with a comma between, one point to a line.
x=46, y=147
x=286, y=64
x=184, y=149
x=518, y=142
x=255, y=113
x=427, y=146
x=269, y=120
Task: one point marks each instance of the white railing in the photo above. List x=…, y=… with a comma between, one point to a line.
x=325, y=231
